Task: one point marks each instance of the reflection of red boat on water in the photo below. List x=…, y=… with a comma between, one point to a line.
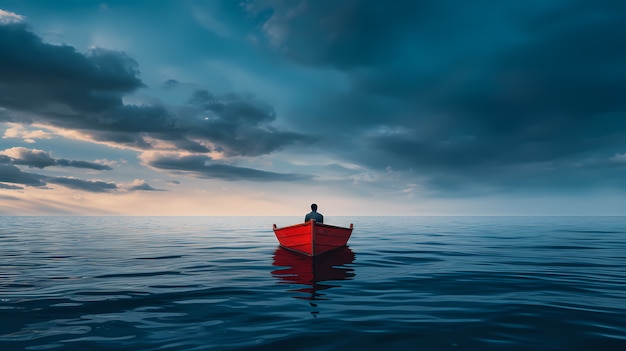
x=311, y=271
x=312, y=238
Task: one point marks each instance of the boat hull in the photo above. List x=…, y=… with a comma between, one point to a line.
x=312, y=238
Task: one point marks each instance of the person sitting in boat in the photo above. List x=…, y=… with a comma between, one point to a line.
x=314, y=215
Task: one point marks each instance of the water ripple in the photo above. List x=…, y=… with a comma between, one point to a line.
x=444, y=283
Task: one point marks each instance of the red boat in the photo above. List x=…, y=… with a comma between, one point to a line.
x=312, y=238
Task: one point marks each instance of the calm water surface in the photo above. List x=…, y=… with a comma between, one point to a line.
x=222, y=283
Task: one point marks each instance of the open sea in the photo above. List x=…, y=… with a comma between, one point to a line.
x=222, y=283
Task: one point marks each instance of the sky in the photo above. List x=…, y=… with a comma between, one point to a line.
x=262, y=107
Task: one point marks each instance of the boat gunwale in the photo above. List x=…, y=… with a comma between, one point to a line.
x=316, y=224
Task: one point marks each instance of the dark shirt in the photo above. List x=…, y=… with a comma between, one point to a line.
x=314, y=215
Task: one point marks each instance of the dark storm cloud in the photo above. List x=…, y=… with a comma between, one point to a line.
x=239, y=125
x=35, y=75
x=55, y=85
x=556, y=95
x=41, y=159
x=462, y=94
x=205, y=167
x=493, y=93
x=365, y=33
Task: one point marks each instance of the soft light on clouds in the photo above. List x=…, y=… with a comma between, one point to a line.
x=28, y=136
x=41, y=159
x=263, y=106
x=7, y=17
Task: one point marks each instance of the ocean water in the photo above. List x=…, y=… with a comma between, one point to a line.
x=222, y=283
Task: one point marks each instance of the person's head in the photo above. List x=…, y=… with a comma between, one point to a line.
x=314, y=207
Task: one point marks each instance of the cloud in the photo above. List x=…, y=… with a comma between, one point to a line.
x=82, y=164
x=171, y=83
x=469, y=96
x=7, y=17
x=348, y=34
x=62, y=88
x=30, y=157
x=80, y=95
x=97, y=186
x=59, y=80
x=12, y=174
x=12, y=187
x=549, y=97
x=203, y=166
x=141, y=185
x=237, y=125
x=84, y=185
x=28, y=136
x=619, y=157
x=456, y=97
x=41, y=159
